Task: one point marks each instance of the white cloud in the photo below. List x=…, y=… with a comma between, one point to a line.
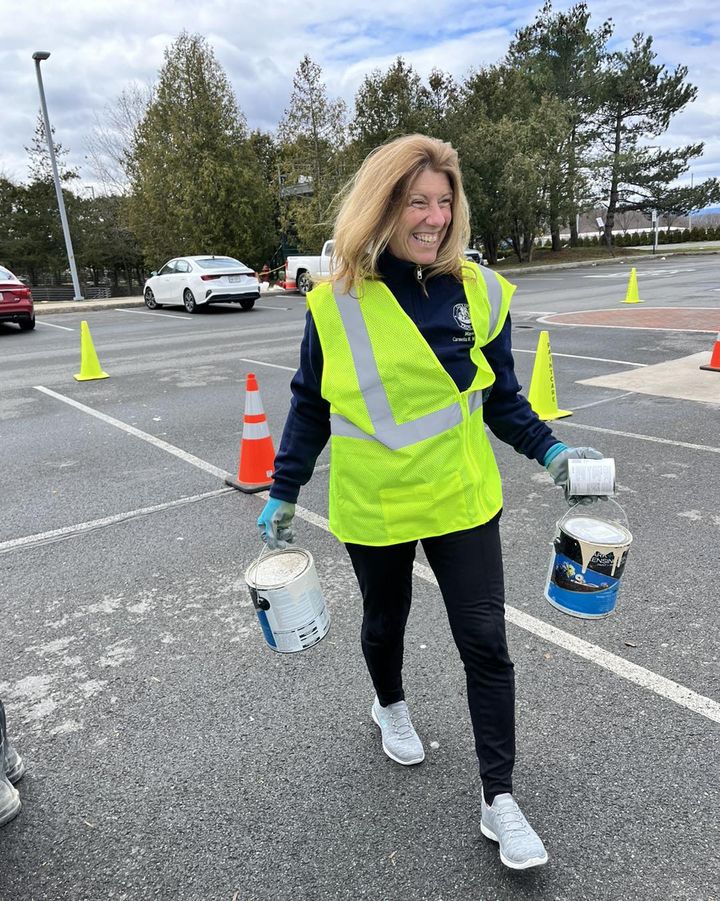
x=99, y=47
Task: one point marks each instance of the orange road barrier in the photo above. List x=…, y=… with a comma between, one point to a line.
x=714, y=364
x=257, y=454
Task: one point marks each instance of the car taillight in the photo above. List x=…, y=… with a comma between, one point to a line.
x=209, y=278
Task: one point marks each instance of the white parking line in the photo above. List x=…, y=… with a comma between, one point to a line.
x=596, y=428
x=606, y=400
x=137, y=433
x=52, y=325
x=95, y=524
x=271, y=365
x=152, y=313
x=517, y=350
x=659, y=685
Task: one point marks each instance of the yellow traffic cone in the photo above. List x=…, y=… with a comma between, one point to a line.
x=542, y=396
x=632, y=295
x=89, y=364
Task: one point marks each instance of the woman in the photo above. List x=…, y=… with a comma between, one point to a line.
x=406, y=355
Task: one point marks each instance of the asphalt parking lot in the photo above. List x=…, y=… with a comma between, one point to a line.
x=171, y=754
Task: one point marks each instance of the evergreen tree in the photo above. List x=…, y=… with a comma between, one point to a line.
x=562, y=58
x=197, y=186
x=390, y=104
x=312, y=144
x=39, y=163
x=640, y=98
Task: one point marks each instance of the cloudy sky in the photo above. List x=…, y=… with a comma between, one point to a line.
x=100, y=47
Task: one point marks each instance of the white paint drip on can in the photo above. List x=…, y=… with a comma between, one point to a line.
x=286, y=594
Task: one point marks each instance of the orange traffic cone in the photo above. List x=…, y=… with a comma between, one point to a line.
x=714, y=364
x=257, y=454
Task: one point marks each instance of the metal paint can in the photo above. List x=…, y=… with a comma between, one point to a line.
x=587, y=564
x=286, y=594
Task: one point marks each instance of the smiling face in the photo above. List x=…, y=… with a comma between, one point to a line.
x=425, y=219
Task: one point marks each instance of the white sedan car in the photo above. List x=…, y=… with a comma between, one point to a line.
x=202, y=280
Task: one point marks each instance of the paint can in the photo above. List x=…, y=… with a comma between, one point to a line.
x=286, y=594
x=591, y=477
x=587, y=562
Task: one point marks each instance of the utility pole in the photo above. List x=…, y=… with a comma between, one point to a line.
x=38, y=56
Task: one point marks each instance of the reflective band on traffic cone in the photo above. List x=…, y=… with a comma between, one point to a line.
x=631, y=295
x=714, y=364
x=542, y=396
x=257, y=454
x=89, y=364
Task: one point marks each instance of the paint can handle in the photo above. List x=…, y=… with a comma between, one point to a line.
x=583, y=508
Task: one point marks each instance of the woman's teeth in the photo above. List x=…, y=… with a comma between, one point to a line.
x=426, y=239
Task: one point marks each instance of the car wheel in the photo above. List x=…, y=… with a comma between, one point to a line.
x=27, y=325
x=247, y=304
x=189, y=301
x=304, y=283
x=150, y=301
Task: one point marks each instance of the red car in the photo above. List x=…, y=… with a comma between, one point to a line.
x=16, y=303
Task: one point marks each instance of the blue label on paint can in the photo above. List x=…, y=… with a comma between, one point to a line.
x=267, y=631
x=586, y=593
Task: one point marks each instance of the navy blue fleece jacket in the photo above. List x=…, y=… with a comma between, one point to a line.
x=440, y=321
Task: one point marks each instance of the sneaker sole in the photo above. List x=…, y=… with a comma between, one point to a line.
x=389, y=753
x=513, y=865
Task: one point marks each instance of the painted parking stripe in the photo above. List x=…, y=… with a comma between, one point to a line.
x=95, y=524
x=52, y=325
x=517, y=350
x=138, y=433
x=152, y=313
x=638, y=675
x=637, y=437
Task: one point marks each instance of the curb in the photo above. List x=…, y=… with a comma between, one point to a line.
x=112, y=303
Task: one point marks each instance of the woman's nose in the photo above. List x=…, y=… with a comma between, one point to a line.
x=435, y=214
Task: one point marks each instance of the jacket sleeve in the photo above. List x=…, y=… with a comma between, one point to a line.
x=507, y=413
x=307, y=428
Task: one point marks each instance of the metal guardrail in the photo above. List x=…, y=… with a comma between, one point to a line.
x=67, y=292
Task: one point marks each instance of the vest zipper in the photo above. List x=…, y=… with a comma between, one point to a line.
x=419, y=273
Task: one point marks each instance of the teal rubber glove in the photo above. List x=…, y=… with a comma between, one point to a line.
x=556, y=463
x=274, y=523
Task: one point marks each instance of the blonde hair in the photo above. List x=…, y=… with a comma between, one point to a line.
x=376, y=197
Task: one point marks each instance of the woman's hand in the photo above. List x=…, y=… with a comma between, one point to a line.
x=274, y=523
x=556, y=463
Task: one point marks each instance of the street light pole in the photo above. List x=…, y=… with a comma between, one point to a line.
x=38, y=56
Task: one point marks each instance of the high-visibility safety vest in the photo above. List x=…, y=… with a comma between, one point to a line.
x=409, y=455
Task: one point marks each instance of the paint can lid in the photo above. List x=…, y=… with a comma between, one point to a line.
x=278, y=569
x=596, y=531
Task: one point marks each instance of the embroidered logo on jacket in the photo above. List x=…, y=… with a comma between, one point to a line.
x=461, y=312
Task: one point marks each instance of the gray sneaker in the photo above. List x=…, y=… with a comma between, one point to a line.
x=520, y=845
x=399, y=739
x=9, y=801
x=14, y=766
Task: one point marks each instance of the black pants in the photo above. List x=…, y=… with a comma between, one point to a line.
x=468, y=567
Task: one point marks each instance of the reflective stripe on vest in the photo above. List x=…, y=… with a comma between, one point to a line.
x=494, y=293
x=386, y=430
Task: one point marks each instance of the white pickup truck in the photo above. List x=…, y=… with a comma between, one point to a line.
x=304, y=271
